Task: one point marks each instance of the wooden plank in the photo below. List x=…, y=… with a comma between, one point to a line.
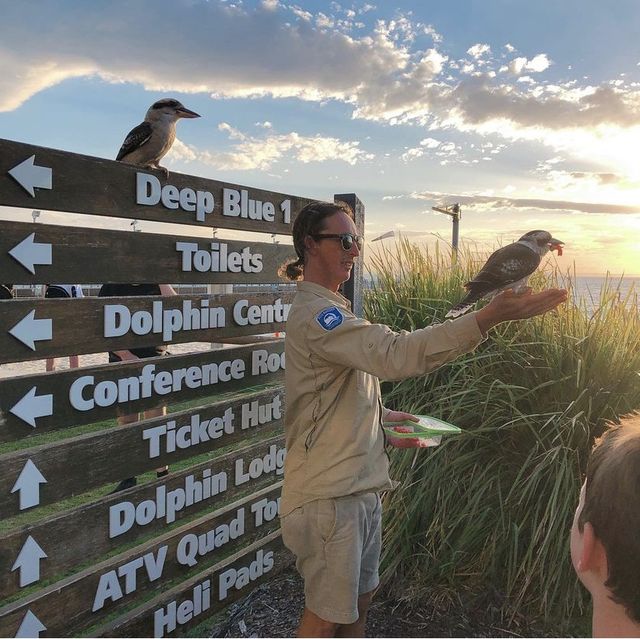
x=65, y=254
x=89, y=185
x=73, y=539
x=172, y=612
x=33, y=404
x=33, y=329
x=136, y=448
x=89, y=595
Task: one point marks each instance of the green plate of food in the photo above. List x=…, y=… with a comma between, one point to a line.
x=427, y=426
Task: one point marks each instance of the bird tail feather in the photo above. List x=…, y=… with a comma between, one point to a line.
x=458, y=310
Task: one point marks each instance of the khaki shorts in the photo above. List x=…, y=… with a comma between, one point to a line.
x=337, y=545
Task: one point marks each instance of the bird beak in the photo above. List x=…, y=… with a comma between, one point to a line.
x=556, y=245
x=183, y=112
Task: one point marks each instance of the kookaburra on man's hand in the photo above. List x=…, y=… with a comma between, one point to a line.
x=150, y=141
x=508, y=268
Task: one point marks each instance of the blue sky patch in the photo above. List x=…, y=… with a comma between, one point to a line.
x=330, y=318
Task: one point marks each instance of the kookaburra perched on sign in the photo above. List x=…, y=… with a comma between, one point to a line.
x=508, y=267
x=150, y=141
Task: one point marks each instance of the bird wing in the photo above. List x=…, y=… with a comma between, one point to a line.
x=505, y=266
x=135, y=139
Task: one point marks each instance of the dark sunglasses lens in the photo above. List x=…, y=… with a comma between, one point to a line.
x=348, y=240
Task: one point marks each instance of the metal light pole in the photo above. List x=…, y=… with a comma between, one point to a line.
x=455, y=212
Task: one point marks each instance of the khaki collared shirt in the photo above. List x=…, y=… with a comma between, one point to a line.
x=333, y=419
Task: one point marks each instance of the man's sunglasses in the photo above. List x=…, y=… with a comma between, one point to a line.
x=346, y=239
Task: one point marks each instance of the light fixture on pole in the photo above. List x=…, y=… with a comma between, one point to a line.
x=384, y=236
x=455, y=212
x=35, y=215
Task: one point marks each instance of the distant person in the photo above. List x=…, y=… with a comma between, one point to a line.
x=62, y=291
x=605, y=536
x=134, y=354
x=6, y=291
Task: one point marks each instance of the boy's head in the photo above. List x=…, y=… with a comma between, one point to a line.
x=605, y=537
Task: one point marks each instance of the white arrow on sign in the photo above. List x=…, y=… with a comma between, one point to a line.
x=29, y=176
x=28, y=484
x=32, y=406
x=30, y=330
x=28, y=562
x=29, y=253
x=31, y=626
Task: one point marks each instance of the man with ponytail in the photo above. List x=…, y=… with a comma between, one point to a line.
x=336, y=464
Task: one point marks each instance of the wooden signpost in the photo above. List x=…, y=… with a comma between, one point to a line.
x=77, y=557
x=60, y=181
x=35, y=253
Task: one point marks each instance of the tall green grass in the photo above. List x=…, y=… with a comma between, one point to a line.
x=486, y=516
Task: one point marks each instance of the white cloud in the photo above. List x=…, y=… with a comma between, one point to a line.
x=263, y=152
x=412, y=154
x=324, y=22
x=537, y=64
x=430, y=31
x=489, y=202
x=478, y=50
x=301, y=13
x=263, y=52
x=430, y=143
x=383, y=75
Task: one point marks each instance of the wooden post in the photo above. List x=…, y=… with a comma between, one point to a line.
x=353, y=289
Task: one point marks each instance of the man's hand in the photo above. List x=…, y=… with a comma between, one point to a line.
x=516, y=306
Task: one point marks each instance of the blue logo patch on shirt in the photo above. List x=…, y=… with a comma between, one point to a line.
x=330, y=318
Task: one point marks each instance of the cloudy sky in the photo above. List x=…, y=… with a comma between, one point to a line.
x=526, y=113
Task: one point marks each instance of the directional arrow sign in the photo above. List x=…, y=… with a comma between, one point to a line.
x=30, y=330
x=29, y=253
x=28, y=484
x=31, y=626
x=32, y=406
x=28, y=562
x=29, y=175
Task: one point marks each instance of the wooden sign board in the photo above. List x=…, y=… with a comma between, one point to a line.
x=135, y=448
x=92, y=593
x=38, y=177
x=191, y=602
x=33, y=404
x=33, y=329
x=45, y=253
x=74, y=539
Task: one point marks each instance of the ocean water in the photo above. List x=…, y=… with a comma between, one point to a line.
x=590, y=289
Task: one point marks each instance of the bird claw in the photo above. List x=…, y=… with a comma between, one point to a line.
x=157, y=167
